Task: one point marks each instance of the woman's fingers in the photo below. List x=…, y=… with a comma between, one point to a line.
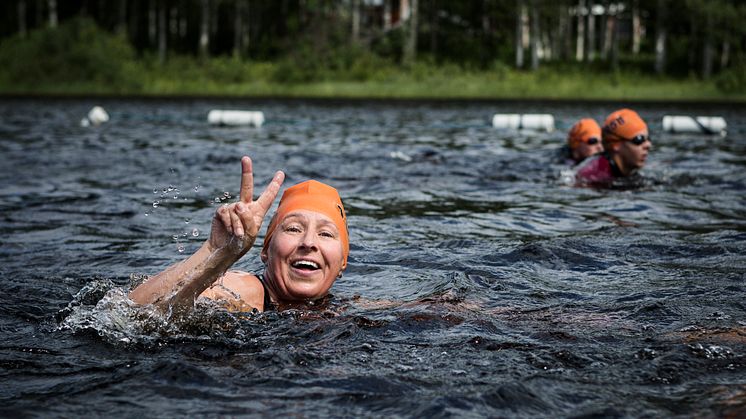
x=236, y=222
x=246, y=219
x=247, y=186
x=241, y=217
x=247, y=180
x=264, y=202
x=224, y=215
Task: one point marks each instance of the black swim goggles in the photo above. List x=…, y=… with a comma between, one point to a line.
x=636, y=140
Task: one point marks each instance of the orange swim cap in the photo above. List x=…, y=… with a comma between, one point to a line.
x=315, y=196
x=582, y=131
x=623, y=124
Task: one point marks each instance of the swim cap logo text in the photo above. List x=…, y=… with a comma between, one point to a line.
x=617, y=122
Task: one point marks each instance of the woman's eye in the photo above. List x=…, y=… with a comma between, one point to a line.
x=292, y=229
x=327, y=234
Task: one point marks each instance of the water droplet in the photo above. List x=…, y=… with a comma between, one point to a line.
x=181, y=248
x=175, y=237
x=186, y=221
x=217, y=199
x=146, y=214
x=227, y=194
x=195, y=232
x=155, y=190
x=196, y=188
x=156, y=203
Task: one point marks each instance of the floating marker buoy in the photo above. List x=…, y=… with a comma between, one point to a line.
x=400, y=155
x=233, y=118
x=536, y=122
x=96, y=116
x=699, y=124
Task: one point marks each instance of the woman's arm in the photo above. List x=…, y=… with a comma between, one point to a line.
x=233, y=232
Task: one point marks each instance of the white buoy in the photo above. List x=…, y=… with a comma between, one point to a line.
x=699, y=124
x=96, y=116
x=535, y=122
x=400, y=155
x=233, y=118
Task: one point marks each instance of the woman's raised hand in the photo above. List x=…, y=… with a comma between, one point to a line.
x=239, y=222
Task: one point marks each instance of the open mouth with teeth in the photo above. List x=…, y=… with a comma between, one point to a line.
x=305, y=265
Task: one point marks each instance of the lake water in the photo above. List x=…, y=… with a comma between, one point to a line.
x=479, y=283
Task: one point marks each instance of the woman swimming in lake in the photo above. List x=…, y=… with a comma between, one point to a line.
x=305, y=250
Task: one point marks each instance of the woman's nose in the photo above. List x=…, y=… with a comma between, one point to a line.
x=309, y=239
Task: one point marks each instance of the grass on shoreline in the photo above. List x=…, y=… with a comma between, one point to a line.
x=509, y=84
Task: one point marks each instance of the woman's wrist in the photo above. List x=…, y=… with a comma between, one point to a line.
x=220, y=252
x=231, y=251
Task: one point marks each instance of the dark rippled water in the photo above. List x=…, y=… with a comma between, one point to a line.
x=479, y=283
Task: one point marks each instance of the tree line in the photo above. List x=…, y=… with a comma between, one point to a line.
x=671, y=37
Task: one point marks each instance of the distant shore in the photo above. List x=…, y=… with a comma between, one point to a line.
x=79, y=59
x=512, y=85
x=106, y=97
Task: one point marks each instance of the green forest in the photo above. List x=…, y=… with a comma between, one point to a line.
x=492, y=49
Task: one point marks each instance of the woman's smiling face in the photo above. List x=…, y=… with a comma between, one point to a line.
x=304, y=258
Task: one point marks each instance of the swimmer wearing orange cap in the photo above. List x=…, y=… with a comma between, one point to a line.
x=626, y=143
x=583, y=140
x=306, y=245
x=305, y=250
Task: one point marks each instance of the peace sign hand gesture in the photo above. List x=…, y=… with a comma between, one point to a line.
x=235, y=226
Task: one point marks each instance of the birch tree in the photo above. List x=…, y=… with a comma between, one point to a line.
x=204, y=26
x=590, y=50
x=660, y=37
x=535, y=36
x=52, y=5
x=580, y=42
x=410, y=46
x=520, y=30
x=636, y=27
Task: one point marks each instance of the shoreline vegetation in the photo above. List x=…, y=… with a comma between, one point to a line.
x=514, y=86
x=80, y=59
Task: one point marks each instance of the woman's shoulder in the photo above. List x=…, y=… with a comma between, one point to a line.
x=238, y=290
